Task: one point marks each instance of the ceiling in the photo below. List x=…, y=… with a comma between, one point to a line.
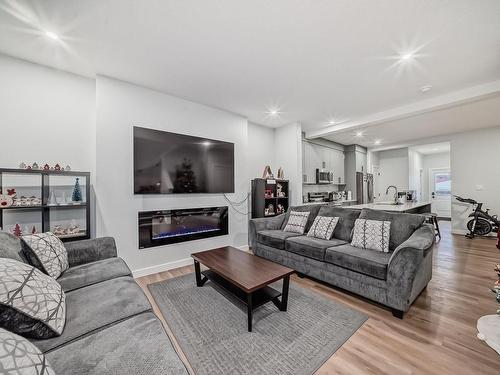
x=433, y=148
x=310, y=61
x=474, y=115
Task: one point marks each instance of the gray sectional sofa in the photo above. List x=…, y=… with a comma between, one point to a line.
x=110, y=326
x=394, y=279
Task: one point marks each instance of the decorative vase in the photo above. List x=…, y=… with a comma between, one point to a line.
x=52, y=198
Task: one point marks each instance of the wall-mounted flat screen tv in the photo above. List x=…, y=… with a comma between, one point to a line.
x=171, y=163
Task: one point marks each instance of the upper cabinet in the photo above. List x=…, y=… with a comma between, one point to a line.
x=317, y=156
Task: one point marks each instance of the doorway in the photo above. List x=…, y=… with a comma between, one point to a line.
x=440, y=191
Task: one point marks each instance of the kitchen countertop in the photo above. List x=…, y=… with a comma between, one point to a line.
x=331, y=203
x=408, y=206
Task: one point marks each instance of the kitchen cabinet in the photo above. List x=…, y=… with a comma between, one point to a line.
x=316, y=156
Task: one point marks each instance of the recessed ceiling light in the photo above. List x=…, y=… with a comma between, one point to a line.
x=425, y=88
x=273, y=112
x=359, y=133
x=377, y=141
x=406, y=56
x=52, y=35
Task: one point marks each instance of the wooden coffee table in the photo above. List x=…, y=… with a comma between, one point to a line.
x=245, y=276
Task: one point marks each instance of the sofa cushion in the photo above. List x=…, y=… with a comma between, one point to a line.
x=368, y=262
x=274, y=238
x=31, y=303
x=297, y=222
x=97, y=306
x=46, y=252
x=10, y=247
x=311, y=247
x=137, y=345
x=323, y=227
x=347, y=217
x=92, y=273
x=371, y=235
x=20, y=357
x=313, y=212
x=402, y=225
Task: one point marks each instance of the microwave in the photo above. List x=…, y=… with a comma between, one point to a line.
x=324, y=177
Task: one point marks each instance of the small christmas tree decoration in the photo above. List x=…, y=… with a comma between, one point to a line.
x=17, y=231
x=57, y=167
x=34, y=166
x=68, y=168
x=46, y=167
x=77, y=192
x=22, y=166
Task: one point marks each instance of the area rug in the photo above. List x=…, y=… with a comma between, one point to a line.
x=212, y=330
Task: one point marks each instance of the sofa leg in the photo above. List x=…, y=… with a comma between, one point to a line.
x=398, y=313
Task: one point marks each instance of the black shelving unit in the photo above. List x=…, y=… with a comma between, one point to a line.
x=48, y=213
x=270, y=197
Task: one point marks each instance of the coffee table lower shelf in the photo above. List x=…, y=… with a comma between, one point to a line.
x=251, y=300
x=259, y=297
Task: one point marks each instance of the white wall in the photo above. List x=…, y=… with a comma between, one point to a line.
x=120, y=106
x=260, y=150
x=288, y=155
x=46, y=116
x=431, y=161
x=393, y=171
x=474, y=172
x=415, y=170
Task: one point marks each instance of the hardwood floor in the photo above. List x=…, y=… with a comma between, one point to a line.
x=437, y=335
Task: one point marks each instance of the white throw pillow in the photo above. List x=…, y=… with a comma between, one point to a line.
x=297, y=222
x=46, y=252
x=371, y=234
x=20, y=357
x=323, y=227
x=31, y=303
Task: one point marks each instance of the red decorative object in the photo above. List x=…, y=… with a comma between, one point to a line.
x=11, y=191
x=57, y=167
x=33, y=230
x=17, y=231
x=46, y=167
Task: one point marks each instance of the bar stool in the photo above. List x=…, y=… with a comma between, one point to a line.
x=431, y=218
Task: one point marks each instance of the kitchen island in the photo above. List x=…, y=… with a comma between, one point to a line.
x=408, y=207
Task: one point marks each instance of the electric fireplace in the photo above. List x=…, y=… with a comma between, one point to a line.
x=166, y=227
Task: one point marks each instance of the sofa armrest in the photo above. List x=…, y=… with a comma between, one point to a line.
x=86, y=251
x=404, y=264
x=263, y=223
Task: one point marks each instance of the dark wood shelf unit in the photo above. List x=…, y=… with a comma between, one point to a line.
x=45, y=209
x=261, y=201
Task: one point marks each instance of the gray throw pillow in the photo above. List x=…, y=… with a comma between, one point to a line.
x=323, y=227
x=31, y=303
x=46, y=252
x=296, y=222
x=371, y=234
x=20, y=357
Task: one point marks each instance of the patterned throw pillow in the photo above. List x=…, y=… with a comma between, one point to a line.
x=31, y=303
x=296, y=222
x=371, y=234
x=18, y=356
x=323, y=227
x=46, y=252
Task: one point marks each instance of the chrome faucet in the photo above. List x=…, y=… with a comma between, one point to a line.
x=395, y=194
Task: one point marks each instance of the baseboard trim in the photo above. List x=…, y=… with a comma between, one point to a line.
x=162, y=267
x=172, y=265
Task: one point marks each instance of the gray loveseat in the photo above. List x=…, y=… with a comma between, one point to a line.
x=394, y=279
x=110, y=326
